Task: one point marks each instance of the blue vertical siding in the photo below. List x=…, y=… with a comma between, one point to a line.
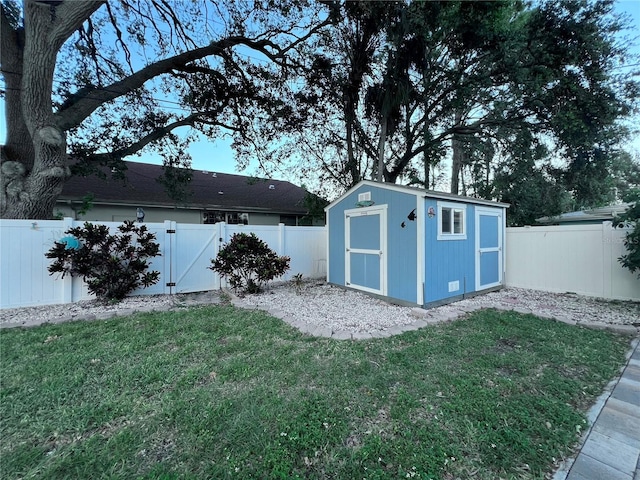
x=336, y=246
x=449, y=265
x=448, y=260
x=402, y=247
x=402, y=258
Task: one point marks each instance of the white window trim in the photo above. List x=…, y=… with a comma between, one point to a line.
x=452, y=236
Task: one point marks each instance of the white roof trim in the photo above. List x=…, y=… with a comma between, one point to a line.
x=418, y=192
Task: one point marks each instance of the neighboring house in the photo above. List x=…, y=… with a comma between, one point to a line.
x=215, y=197
x=586, y=217
x=414, y=246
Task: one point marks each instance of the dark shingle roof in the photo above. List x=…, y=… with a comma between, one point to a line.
x=141, y=187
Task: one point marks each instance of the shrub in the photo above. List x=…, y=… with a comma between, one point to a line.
x=248, y=263
x=112, y=265
x=631, y=218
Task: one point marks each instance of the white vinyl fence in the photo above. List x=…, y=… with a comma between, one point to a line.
x=186, y=252
x=581, y=259
x=571, y=258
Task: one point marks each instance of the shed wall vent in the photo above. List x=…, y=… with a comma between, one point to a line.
x=364, y=197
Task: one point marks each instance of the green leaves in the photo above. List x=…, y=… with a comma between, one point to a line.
x=112, y=265
x=249, y=263
x=631, y=218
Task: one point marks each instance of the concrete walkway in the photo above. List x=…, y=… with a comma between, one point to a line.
x=611, y=450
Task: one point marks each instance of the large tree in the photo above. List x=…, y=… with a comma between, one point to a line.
x=321, y=132
x=470, y=82
x=474, y=72
x=88, y=83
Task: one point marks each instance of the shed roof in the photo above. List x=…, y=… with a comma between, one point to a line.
x=209, y=190
x=420, y=192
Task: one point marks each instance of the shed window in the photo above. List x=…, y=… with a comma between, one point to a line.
x=452, y=221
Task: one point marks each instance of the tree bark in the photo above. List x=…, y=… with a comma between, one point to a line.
x=34, y=161
x=380, y=169
x=457, y=156
x=352, y=164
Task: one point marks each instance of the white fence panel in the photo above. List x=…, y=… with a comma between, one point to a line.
x=24, y=279
x=270, y=234
x=570, y=258
x=186, y=252
x=306, y=246
x=195, y=246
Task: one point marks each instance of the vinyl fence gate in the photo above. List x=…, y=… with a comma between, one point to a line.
x=186, y=251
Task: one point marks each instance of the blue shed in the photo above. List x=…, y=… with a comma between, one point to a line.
x=415, y=246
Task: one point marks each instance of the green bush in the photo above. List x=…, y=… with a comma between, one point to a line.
x=631, y=218
x=112, y=265
x=248, y=263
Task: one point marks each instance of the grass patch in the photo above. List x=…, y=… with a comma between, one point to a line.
x=217, y=392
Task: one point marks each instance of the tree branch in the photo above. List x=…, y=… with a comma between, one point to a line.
x=157, y=134
x=69, y=16
x=79, y=109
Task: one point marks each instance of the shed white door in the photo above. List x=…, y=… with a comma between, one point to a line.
x=489, y=228
x=365, y=245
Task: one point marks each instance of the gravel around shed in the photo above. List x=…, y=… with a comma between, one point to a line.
x=327, y=310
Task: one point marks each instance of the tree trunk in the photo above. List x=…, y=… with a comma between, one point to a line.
x=457, y=156
x=381, y=144
x=352, y=164
x=34, y=161
x=427, y=172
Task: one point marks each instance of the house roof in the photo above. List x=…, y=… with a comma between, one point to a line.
x=209, y=191
x=421, y=192
x=595, y=215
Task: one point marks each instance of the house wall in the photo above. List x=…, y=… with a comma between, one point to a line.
x=115, y=213
x=448, y=261
x=264, y=219
x=402, y=249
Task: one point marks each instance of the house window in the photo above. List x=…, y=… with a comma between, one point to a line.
x=213, y=217
x=232, y=218
x=289, y=220
x=452, y=221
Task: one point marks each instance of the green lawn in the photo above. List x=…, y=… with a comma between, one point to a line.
x=217, y=392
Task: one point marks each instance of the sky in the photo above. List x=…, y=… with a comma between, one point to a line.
x=218, y=156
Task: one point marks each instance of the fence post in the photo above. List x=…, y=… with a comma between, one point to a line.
x=281, y=241
x=222, y=238
x=607, y=259
x=169, y=255
x=67, y=281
